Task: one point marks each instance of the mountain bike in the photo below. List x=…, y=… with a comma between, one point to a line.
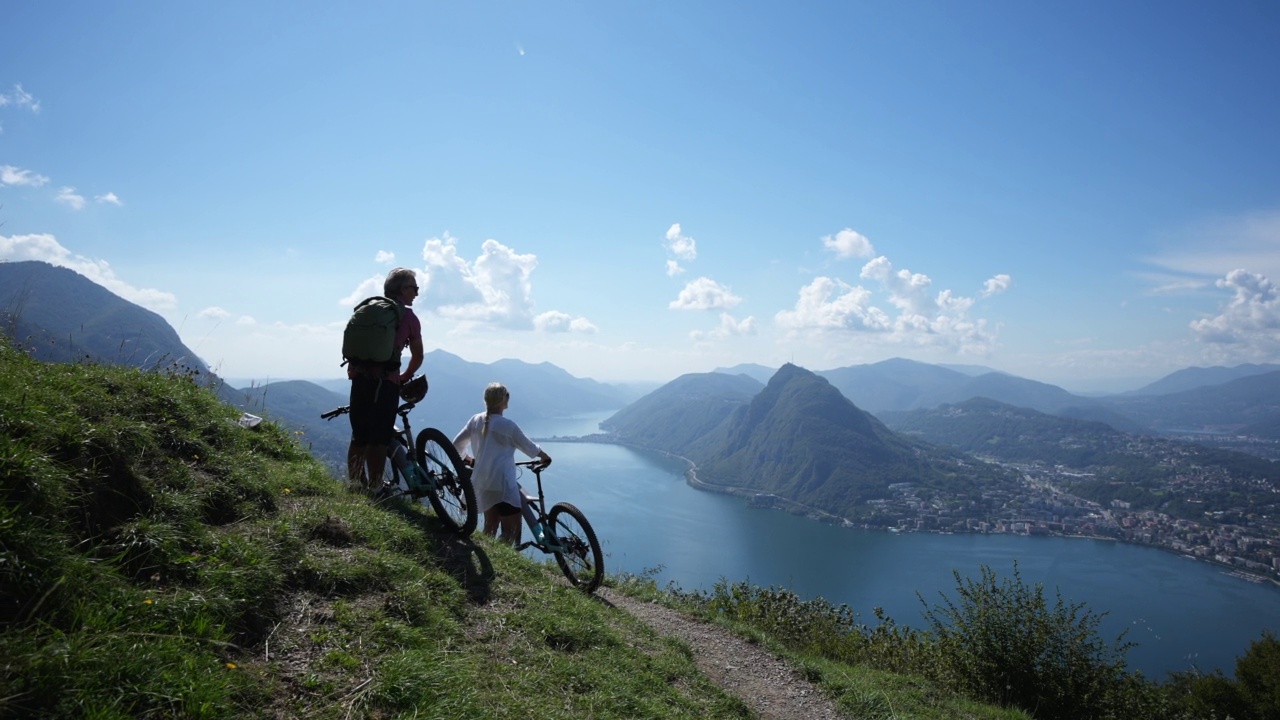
x=428, y=467
x=565, y=533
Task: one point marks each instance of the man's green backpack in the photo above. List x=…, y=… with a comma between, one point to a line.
x=370, y=336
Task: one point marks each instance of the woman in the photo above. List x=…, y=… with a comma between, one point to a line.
x=492, y=440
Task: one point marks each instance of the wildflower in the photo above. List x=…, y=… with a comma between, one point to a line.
x=231, y=666
x=287, y=491
x=148, y=601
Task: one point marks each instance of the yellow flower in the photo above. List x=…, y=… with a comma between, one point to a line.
x=286, y=491
x=148, y=601
x=231, y=666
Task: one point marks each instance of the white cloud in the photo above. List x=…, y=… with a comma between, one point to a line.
x=555, y=321
x=214, y=313
x=705, y=294
x=1250, y=321
x=495, y=289
x=367, y=288
x=847, y=244
x=20, y=98
x=922, y=318
x=827, y=304
x=996, y=285
x=246, y=320
x=68, y=196
x=673, y=268
x=729, y=327
x=46, y=248
x=682, y=246
x=384, y=257
x=108, y=198
x=10, y=175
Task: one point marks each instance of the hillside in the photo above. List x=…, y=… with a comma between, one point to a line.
x=1182, y=479
x=797, y=438
x=160, y=560
x=683, y=411
x=61, y=316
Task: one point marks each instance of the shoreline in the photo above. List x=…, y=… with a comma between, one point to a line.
x=796, y=508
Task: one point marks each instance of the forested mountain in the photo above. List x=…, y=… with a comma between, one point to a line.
x=1181, y=478
x=899, y=384
x=1197, y=377
x=797, y=437
x=59, y=315
x=683, y=411
x=1253, y=400
x=801, y=439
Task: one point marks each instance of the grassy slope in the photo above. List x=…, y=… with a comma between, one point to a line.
x=158, y=560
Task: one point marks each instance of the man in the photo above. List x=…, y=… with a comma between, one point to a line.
x=375, y=388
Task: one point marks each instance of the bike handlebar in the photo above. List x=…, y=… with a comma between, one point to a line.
x=534, y=465
x=336, y=412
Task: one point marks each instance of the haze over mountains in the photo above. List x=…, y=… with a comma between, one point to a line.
x=60, y=316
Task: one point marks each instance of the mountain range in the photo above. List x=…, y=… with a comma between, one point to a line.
x=722, y=418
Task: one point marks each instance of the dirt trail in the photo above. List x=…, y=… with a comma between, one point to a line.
x=769, y=686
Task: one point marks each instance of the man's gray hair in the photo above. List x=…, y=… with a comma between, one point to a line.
x=396, y=280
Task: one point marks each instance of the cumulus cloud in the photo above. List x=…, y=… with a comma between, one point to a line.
x=1250, y=321
x=673, y=268
x=108, y=198
x=10, y=175
x=21, y=99
x=680, y=245
x=919, y=315
x=46, y=248
x=246, y=320
x=213, y=313
x=384, y=257
x=996, y=285
x=368, y=287
x=495, y=289
x=729, y=327
x=829, y=304
x=555, y=321
x=847, y=244
x=68, y=196
x=705, y=294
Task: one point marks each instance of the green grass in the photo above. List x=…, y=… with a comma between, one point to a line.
x=158, y=560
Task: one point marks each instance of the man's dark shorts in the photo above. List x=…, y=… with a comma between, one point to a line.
x=373, y=410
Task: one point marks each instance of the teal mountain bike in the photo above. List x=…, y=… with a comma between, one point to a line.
x=426, y=467
x=565, y=534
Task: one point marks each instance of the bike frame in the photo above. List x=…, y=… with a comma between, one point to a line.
x=550, y=543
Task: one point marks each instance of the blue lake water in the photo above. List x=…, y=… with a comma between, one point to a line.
x=1180, y=611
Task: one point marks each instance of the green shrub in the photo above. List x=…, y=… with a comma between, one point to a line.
x=1002, y=642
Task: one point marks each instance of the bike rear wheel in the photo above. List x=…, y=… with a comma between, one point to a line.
x=453, y=498
x=581, y=560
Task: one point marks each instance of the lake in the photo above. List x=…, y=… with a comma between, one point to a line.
x=1180, y=611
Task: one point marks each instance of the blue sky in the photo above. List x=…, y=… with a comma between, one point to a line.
x=1083, y=193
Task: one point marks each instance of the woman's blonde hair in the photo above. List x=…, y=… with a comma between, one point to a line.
x=494, y=394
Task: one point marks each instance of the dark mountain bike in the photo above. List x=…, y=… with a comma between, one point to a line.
x=429, y=467
x=565, y=533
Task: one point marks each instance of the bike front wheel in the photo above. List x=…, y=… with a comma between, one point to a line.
x=580, y=557
x=452, y=497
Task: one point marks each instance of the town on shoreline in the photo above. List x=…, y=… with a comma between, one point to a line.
x=1040, y=508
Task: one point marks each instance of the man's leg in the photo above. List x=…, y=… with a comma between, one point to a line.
x=375, y=458
x=355, y=466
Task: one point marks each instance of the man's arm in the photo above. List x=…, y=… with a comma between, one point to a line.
x=415, y=359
